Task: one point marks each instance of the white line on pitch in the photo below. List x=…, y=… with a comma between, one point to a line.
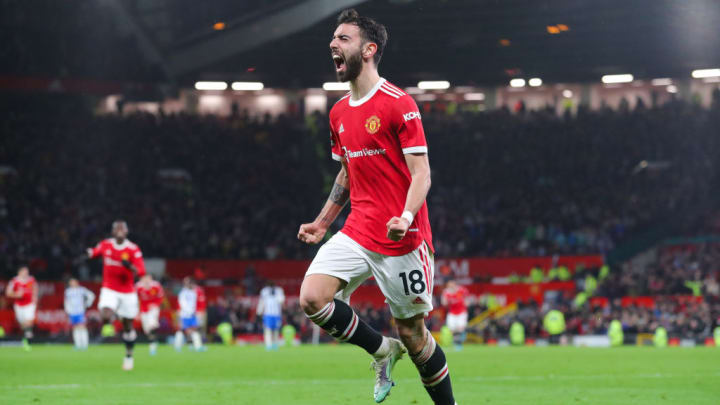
x=353, y=381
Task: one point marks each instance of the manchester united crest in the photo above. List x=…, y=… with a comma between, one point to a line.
x=372, y=125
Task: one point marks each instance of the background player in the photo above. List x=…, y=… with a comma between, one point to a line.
x=150, y=294
x=24, y=290
x=187, y=302
x=122, y=262
x=454, y=297
x=270, y=306
x=377, y=135
x=77, y=300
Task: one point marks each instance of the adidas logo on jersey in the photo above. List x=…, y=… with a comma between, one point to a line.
x=418, y=300
x=341, y=130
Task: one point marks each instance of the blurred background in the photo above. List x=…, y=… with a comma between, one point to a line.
x=574, y=147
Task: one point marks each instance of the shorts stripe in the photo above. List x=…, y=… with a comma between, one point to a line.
x=431, y=279
x=425, y=268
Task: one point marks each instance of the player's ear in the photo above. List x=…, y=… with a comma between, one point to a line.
x=370, y=49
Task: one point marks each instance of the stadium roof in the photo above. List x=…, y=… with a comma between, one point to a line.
x=284, y=43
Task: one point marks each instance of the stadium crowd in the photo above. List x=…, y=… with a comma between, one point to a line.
x=692, y=269
x=203, y=186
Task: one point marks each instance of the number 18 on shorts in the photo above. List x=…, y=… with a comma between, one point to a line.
x=405, y=281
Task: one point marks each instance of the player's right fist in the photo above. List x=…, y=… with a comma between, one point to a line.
x=311, y=233
x=89, y=252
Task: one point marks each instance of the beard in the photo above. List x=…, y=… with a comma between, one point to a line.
x=353, y=67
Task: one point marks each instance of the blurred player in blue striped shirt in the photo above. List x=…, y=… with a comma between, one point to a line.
x=77, y=300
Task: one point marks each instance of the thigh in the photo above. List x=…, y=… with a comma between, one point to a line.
x=128, y=306
x=406, y=282
x=343, y=259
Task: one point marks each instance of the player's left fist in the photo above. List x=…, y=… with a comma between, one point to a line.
x=397, y=228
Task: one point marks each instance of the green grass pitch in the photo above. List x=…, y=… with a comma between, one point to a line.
x=333, y=374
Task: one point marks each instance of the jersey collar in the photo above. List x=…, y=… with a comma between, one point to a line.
x=120, y=246
x=356, y=103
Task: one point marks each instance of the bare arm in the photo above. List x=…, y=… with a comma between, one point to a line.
x=419, y=167
x=9, y=292
x=314, y=232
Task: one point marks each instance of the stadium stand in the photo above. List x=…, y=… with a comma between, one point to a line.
x=573, y=188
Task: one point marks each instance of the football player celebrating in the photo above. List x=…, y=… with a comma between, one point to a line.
x=377, y=136
x=122, y=262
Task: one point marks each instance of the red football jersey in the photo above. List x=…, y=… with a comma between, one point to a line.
x=116, y=276
x=373, y=135
x=456, y=300
x=149, y=296
x=25, y=288
x=201, y=302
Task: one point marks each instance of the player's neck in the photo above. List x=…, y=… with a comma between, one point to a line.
x=361, y=86
x=119, y=241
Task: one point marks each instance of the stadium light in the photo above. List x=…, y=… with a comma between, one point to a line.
x=434, y=85
x=535, y=82
x=336, y=86
x=414, y=90
x=251, y=86
x=703, y=73
x=210, y=86
x=671, y=89
x=517, y=83
x=661, y=82
x=624, y=78
x=567, y=93
x=474, y=96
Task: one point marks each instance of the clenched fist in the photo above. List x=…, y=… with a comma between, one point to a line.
x=311, y=233
x=397, y=228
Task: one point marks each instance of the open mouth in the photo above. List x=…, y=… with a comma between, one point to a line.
x=339, y=62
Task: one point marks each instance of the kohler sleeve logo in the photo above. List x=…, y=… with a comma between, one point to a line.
x=411, y=116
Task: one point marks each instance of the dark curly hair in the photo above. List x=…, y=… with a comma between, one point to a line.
x=371, y=30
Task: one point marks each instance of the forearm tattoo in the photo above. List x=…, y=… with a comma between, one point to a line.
x=339, y=195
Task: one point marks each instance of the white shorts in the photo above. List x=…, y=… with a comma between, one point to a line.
x=125, y=305
x=457, y=322
x=24, y=313
x=405, y=281
x=151, y=319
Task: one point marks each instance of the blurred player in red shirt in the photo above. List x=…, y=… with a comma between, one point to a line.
x=454, y=297
x=122, y=262
x=24, y=290
x=201, y=309
x=376, y=135
x=150, y=294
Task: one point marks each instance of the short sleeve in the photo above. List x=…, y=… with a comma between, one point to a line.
x=410, y=131
x=336, y=150
x=97, y=249
x=139, y=263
